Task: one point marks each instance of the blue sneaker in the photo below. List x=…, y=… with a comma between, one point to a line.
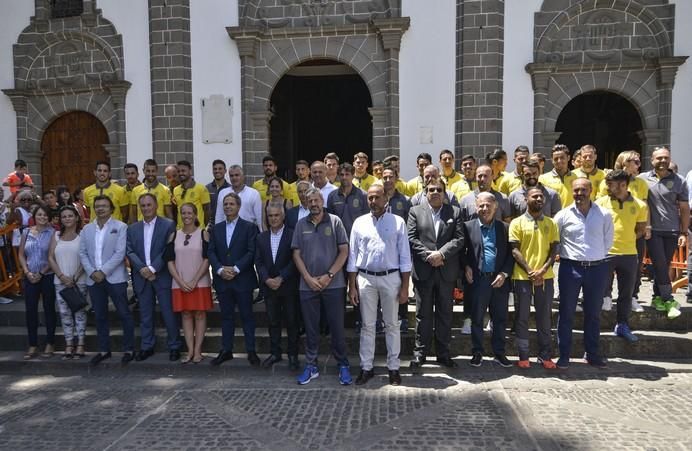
x=345, y=375
x=623, y=330
x=309, y=373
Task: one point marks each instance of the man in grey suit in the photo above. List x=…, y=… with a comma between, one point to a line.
x=146, y=243
x=102, y=253
x=436, y=236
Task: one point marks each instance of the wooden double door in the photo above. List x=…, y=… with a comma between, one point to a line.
x=70, y=148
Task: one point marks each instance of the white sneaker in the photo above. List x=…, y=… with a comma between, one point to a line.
x=466, y=328
x=489, y=327
x=4, y=300
x=579, y=308
x=607, y=304
x=635, y=305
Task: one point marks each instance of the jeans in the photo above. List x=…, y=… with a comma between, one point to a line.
x=495, y=301
x=625, y=267
x=662, y=246
x=43, y=289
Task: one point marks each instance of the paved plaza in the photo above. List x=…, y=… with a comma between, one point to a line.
x=156, y=405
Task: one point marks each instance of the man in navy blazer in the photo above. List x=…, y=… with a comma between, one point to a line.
x=277, y=273
x=488, y=262
x=151, y=281
x=231, y=255
x=301, y=210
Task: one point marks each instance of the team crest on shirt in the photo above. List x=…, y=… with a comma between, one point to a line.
x=633, y=210
x=327, y=231
x=399, y=205
x=546, y=229
x=669, y=184
x=356, y=203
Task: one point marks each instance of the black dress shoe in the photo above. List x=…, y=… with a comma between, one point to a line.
x=293, y=363
x=253, y=359
x=365, y=376
x=222, y=357
x=446, y=361
x=502, y=360
x=476, y=360
x=394, y=377
x=271, y=360
x=100, y=357
x=144, y=354
x=127, y=358
x=418, y=361
x=174, y=355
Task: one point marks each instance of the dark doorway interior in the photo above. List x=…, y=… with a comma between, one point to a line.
x=606, y=120
x=319, y=107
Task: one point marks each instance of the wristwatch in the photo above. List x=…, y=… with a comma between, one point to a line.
x=330, y=274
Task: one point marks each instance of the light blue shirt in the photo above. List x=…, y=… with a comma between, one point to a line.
x=379, y=244
x=230, y=228
x=489, y=246
x=584, y=238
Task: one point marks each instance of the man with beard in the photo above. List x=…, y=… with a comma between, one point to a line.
x=318, y=173
x=152, y=186
x=518, y=198
x=586, y=236
x=171, y=173
x=269, y=167
x=189, y=191
x=588, y=168
x=560, y=178
x=629, y=219
x=131, y=172
x=467, y=183
x=512, y=181
x=105, y=187
x=484, y=181
x=535, y=243
x=320, y=250
x=302, y=174
x=347, y=201
x=416, y=185
x=218, y=169
x=670, y=218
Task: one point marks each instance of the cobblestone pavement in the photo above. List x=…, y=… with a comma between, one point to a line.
x=632, y=405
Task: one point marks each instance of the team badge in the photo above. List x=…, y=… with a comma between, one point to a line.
x=633, y=210
x=327, y=231
x=399, y=206
x=356, y=203
x=669, y=184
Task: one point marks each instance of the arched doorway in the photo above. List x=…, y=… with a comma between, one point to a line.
x=70, y=148
x=319, y=106
x=608, y=121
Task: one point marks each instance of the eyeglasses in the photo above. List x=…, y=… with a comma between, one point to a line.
x=187, y=239
x=435, y=190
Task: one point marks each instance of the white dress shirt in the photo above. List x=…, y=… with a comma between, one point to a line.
x=230, y=229
x=275, y=239
x=148, y=236
x=99, y=236
x=250, y=205
x=437, y=221
x=584, y=238
x=303, y=212
x=379, y=244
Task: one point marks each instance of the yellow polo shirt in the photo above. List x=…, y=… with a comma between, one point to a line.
x=461, y=188
x=261, y=186
x=508, y=183
x=595, y=177
x=626, y=215
x=197, y=195
x=365, y=182
x=415, y=185
x=637, y=187
x=160, y=192
x=563, y=185
x=115, y=192
x=498, y=181
x=534, y=238
x=451, y=179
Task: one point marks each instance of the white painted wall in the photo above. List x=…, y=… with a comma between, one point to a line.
x=517, y=99
x=681, y=129
x=131, y=20
x=14, y=18
x=215, y=70
x=427, y=63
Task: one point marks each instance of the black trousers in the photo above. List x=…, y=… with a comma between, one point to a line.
x=433, y=313
x=280, y=308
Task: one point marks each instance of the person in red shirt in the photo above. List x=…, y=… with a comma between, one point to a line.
x=19, y=178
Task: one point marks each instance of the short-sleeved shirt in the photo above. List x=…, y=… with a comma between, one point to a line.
x=636, y=186
x=595, y=177
x=498, y=181
x=664, y=195
x=399, y=205
x=562, y=184
x=161, y=192
x=14, y=181
x=115, y=192
x=197, y=195
x=535, y=237
x=130, y=191
x=364, y=182
x=451, y=179
x=214, y=191
x=518, y=204
x=509, y=183
x=415, y=185
x=318, y=244
x=625, y=215
x=462, y=187
x=261, y=186
x=467, y=204
x=348, y=208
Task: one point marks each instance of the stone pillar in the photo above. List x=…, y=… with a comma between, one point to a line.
x=379, y=133
x=540, y=78
x=171, y=80
x=651, y=138
x=118, y=153
x=480, y=48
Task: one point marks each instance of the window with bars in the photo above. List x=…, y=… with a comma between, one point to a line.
x=66, y=8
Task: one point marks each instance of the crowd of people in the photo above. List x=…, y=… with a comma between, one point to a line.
x=340, y=234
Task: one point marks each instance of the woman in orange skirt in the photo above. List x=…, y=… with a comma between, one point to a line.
x=189, y=266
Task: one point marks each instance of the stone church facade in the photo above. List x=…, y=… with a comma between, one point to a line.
x=71, y=58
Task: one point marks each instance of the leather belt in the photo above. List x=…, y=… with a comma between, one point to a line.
x=584, y=264
x=377, y=273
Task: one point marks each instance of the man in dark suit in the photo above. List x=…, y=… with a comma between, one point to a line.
x=436, y=236
x=231, y=255
x=151, y=281
x=277, y=272
x=488, y=262
x=301, y=210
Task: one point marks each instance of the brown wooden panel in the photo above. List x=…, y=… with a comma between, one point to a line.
x=70, y=148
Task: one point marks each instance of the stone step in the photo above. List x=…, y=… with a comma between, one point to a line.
x=651, y=344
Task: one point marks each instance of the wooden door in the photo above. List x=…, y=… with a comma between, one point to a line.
x=70, y=148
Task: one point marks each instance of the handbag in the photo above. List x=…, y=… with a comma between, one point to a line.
x=74, y=298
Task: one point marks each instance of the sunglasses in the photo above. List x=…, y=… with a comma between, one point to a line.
x=435, y=190
x=637, y=162
x=187, y=239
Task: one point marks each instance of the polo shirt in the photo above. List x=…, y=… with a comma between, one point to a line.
x=451, y=179
x=561, y=184
x=398, y=205
x=415, y=185
x=625, y=215
x=318, y=244
x=348, y=208
x=535, y=237
x=636, y=186
x=498, y=181
x=130, y=191
x=197, y=195
x=518, y=204
x=462, y=187
x=596, y=177
x=584, y=238
x=401, y=186
x=509, y=183
x=115, y=192
x=365, y=182
x=261, y=186
x=664, y=195
x=214, y=192
x=161, y=192
x=467, y=205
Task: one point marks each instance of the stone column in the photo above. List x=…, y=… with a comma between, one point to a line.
x=480, y=48
x=118, y=153
x=171, y=80
x=651, y=138
x=380, y=148
x=540, y=78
